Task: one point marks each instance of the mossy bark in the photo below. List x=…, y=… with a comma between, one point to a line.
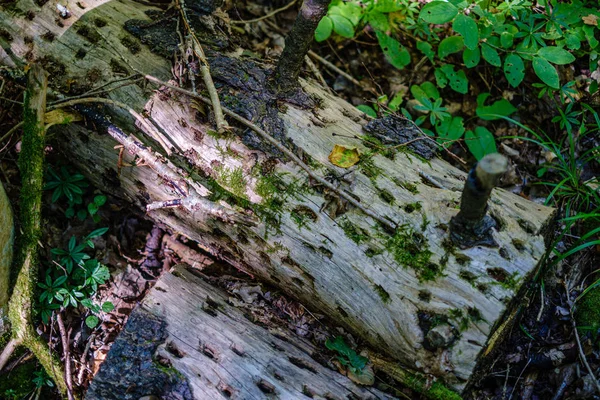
x=6, y=254
x=31, y=163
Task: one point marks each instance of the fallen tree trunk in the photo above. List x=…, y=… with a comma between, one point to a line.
x=218, y=353
x=409, y=293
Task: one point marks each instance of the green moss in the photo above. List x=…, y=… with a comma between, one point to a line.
x=468, y=276
x=587, y=313
x=437, y=390
x=232, y=179
x=472, y=316
x=173, y=374
x=410, y=249
x=301, y=215
x=367, y=166
x=386, y=196
x=409, y=208
x=356, y=234
x=385, y=296
x=275, y=193
x=411, y=187
x=372, y=252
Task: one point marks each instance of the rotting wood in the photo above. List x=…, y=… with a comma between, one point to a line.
x=217, y=352
x=338, y=262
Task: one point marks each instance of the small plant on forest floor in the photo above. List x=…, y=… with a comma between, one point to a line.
x=72, y=187
x=74, y=280
x=346, y=355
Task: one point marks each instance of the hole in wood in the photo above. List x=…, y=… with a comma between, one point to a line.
x=265, y=386
x=300, y=363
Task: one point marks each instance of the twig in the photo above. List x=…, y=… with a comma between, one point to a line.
x=269, y=15
x=317, y=73
x=431, y=180
x=82, y=360
x=8, y=351
x=581, y=352
x=334, y=68
x=150, y=130
x=205, y=71
x=65, y=345
x=284, y=150
x=11, y=131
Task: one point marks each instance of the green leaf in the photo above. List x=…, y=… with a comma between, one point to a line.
x=546, y=72
x=342, y=26
x=438, y=12
x=501, y=107
x=100, y=200
x=471, y=57
x=96, y=233
x=426, y=49
x=457, y=79
x=367, y=110
x=481, y=142
x=394, y=104
x=430, y=90
x=556, y=55
x=395, y=53
x=514, y=69
x=440, y=78
x=467, y=28
x=388, y=6
x=450, y=45
x=449, y=130
x=506, y=40
x=490, y=55
x=107, y=306
x=351, y=11
x=378, y=21
x=324, y=29
x=92, y=321
x=92, y=208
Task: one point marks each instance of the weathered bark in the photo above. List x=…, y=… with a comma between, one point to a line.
x=407, y=293
x=218, y=353
x=7, y=232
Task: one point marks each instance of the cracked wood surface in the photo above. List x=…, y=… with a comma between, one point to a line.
x=360, y=286
x=222, y=354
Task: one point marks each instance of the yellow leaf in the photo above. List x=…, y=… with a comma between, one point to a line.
x=590, y=20
x=343, y=156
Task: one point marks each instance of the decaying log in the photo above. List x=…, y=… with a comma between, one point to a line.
x=410, y=293
x=185, y=338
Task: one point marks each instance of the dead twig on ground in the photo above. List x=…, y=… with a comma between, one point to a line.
x=269, y=15
x=204, y=70
x=65, y=345
x=582, y=356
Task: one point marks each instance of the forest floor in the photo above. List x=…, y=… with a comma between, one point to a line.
x=539, y=360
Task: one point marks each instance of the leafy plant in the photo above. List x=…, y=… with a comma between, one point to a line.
x=75, y=280
x=41, y=378
x=72, y=187
x=347, y=356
